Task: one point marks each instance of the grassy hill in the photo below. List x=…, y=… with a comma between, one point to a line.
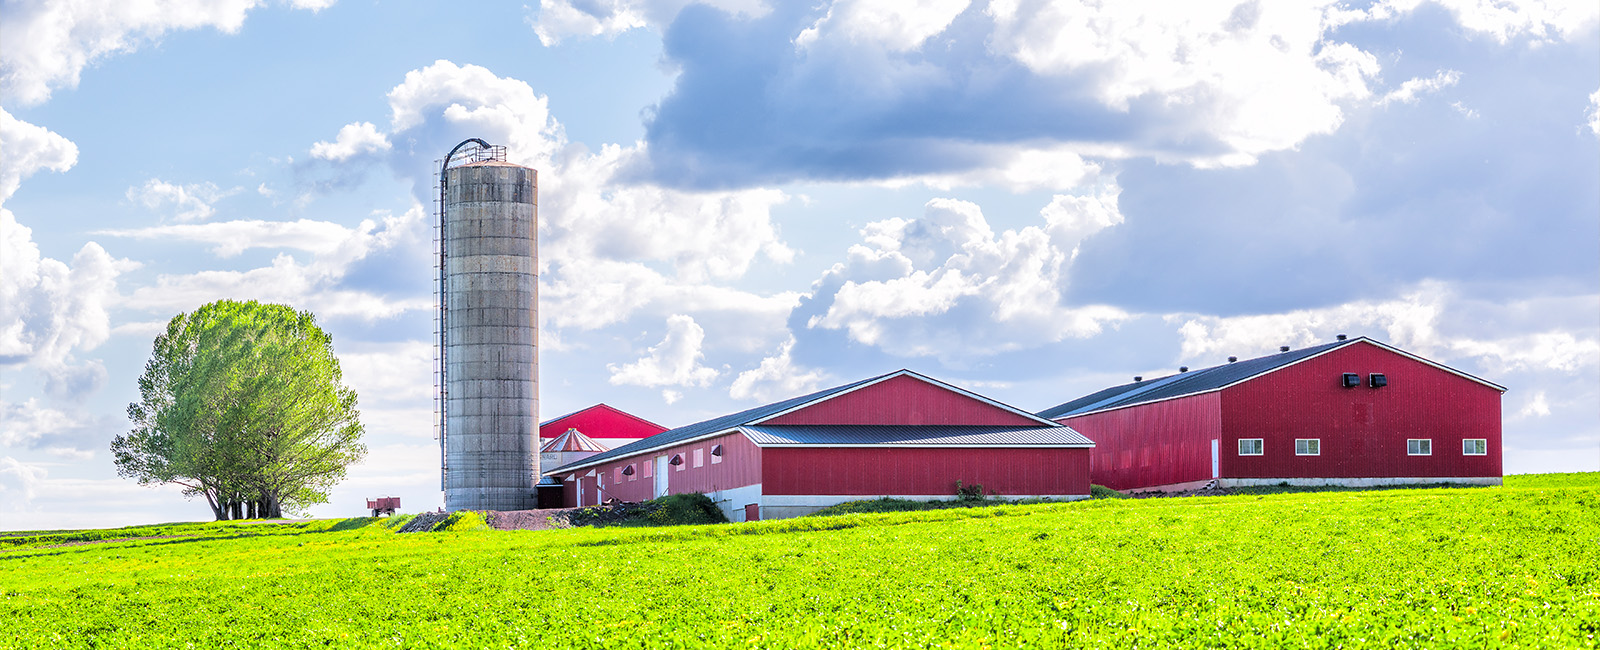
x=1515, y=566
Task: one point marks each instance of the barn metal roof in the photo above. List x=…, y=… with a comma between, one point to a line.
x=710, y=427
x=731, y=423
x=913, y=436
x=1215, y=378
x=572, y=440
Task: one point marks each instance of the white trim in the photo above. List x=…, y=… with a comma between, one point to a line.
x=1260, y=442
x=908, y=373
x=1358, y=482
x=1318, y=446
x=1464, y=442
x=1360, y=339
x=1427, y=440
x=891, y=445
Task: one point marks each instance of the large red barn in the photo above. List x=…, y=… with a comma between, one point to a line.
x=896, y=435
x=1350, y=412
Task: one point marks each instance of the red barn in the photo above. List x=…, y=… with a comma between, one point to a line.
x=1351, y=412
x=900, y=434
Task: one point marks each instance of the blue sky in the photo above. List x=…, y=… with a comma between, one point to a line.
x=745, y=200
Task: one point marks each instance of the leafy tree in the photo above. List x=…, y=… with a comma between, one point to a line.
x=242, y=402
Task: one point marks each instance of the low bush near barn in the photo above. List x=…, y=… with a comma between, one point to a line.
x=1500, y=567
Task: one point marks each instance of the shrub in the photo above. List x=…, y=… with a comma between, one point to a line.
x=679, y=509
x=1103, y=492
x=461, y=521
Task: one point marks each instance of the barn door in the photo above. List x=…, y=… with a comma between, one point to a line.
x=661, y=476
x=1216, y=457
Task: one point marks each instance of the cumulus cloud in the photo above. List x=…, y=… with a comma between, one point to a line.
x=1538, y=20
x=191, y=202
x=560, y=19
x=1594, y=112
x=316, y=283
x=673, y=362
x=50, y=311
x=777, y=377
x=353, y=140
x=30, y=148
x=1411, y=90
x=71, y=435
x=946, y=285
x=1416, y=321
x=45, y=45
x=610, y=246
x=897, y=27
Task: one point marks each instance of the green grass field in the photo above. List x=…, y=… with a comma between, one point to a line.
x=1513, y=566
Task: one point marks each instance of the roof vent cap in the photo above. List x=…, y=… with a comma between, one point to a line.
x=1138, y=378
x=1283, y=348
x=1341, y=337
x=1183, y=368
x=1232, y=359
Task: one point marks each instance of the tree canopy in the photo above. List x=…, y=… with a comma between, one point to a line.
x=243, y=403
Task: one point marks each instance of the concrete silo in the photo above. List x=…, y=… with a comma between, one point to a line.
x=488, y=359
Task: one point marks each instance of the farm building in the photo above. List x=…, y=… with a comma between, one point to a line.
x=589, y=431
x=900, y=434
x=1350, y=412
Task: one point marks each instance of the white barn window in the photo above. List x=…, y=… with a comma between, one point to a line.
x=1308, y=446
x=1419, y=447
x=1250, y=446
x=699, y=457
x=1475, y=447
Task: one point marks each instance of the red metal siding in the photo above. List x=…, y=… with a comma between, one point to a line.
x=600, y=421
x=875, y=471
x=740, y=466
x=1363, y=431
x=1162, y=443
x=903, y=400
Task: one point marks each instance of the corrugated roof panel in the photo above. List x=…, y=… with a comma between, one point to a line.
x=698, y=429
x=1187, y=383
x=850, y=435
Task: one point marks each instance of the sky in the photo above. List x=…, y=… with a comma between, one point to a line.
x=745, y=200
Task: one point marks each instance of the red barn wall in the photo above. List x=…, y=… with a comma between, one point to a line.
x=600, y=422
x=875, y=471
x=904, y=400
x=1161, y=443
x=740, y=466
x=1363, y=431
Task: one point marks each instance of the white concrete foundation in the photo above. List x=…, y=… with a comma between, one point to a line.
x=786, y=506
x=1358, y=482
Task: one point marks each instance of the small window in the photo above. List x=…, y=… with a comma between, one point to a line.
x=1308, y=446
x=630, y=473
x=1475, y=447
x=699, y=457
x=716, y=454
x=676, y=462
x=616, y=476
x=1249, y=446
x=649, y=468
x=1419, y=447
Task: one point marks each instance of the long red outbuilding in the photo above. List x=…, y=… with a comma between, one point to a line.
x=1350, y=412
x=896, y=435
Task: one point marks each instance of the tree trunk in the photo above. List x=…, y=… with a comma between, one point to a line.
x=250, y=510
x=216, y=508
x=233, y=508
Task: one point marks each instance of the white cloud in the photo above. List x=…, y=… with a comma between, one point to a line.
x=49, y=311
x=1538, y=406
x=313, y=284
x=188, y=202
x=30, y=425
x=397, y=373
x=1262, y=76
x=1504, y=20
x=559, y=19
x=1414, y=322
x=673, y=362
x=602, y=237
x=946, y=285
x=1594, y=112
x=1411, y=90
x=776, y=378
x=30, y=148
x=45, y=45
x=353, y=140
x=1018, y=170
x=895, y=26
x=22, y=481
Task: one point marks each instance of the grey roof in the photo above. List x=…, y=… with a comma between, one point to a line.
x=1213, y=378
x=714, y=425
x=851, y=435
